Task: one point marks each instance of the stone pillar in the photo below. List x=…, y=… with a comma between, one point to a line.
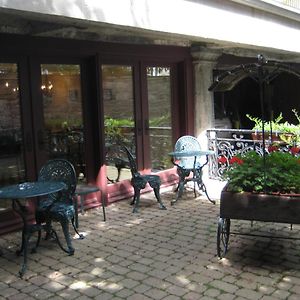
x=204, y=61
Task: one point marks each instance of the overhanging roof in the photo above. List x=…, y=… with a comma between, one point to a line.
x=260, y=72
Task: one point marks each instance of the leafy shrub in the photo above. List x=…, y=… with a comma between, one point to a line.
x=288, y=133
x=279, y=172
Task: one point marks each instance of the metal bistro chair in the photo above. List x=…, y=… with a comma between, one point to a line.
x=139, y=182
x=187, y=164
x=58, y=206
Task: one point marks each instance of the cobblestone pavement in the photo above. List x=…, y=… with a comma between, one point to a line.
x=157, y=254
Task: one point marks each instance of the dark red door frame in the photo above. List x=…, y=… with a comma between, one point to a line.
x=90, y=55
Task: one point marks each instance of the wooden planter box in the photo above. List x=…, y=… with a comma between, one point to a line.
x=260, y=207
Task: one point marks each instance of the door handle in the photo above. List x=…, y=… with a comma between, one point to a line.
x=139, y=127
x=28, y=142
x=147, y=128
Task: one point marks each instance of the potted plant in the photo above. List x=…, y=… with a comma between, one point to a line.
x=281, y=131
x=277, y=173
x=260, y=188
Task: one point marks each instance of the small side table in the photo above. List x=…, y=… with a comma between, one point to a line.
x=18, y=193
x=82, y=190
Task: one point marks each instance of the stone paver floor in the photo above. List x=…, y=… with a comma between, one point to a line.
x=157, y=254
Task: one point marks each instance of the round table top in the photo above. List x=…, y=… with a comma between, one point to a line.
x=83, y=189
x=191, y=153
x=31, y=189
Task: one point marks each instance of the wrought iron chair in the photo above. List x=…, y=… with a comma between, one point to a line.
x=190, y=163
x=58, y=206
x=139, y=182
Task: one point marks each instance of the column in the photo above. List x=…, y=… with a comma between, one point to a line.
x=204, y=61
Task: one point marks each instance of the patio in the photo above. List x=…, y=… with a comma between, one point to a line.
x=157, y=254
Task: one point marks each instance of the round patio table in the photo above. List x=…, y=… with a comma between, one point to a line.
x=23, y=191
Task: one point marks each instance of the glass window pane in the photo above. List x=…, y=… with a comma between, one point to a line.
x=160, y=123
x=62, y=103
x=12, y=167
x=118, y=103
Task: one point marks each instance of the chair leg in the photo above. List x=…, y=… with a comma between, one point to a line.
x=37, y=241
x=65, y=228
x=136, y=199
x=75, y=228
x=133, y=200
x=48, y=229
x=103, y=208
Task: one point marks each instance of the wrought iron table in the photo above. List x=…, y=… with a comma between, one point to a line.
x=23, y=191
x=196, y=170
x=82, y=190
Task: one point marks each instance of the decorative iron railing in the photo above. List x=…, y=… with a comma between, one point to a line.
x=227, y=143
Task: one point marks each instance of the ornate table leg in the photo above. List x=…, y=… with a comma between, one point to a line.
x=21, y=211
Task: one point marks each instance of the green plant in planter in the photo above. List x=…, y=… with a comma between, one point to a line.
x=275, y=124
x=279, y=174
x=288, y=133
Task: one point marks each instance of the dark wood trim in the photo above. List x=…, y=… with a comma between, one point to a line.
x=31, y=51
x=92, y=112
x=67, y=48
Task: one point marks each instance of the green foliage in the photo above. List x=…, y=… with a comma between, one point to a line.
x=289, y=133
x=279, y=174
x=275, y=124
x=113, y=128
x=160, y=121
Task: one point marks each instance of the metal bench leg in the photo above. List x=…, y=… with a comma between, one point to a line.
x=136, y=199
x=157, y=195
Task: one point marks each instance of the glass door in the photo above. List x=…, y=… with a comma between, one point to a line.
x=12, y=162
x=137, y=105
x=119, y=119
x=159, y=126
x=61, y=133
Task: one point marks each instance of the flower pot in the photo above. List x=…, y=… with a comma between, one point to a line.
x=260, y=207
x=286, y=138
x=254, y=207
x=258, y=136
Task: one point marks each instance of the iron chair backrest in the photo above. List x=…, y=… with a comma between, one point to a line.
x=132, y=162
x=63, y=171
x=187, y=143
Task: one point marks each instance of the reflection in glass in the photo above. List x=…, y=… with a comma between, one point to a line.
x=12, y=167
x=118, y=106
x=62, y=103
x=160, y=126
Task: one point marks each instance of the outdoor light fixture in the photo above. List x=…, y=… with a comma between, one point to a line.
x=47, y=85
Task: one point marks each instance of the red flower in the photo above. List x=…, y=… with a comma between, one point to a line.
x=222, y=160
x=295, y=150
x=272, y=148
x=236, y=160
